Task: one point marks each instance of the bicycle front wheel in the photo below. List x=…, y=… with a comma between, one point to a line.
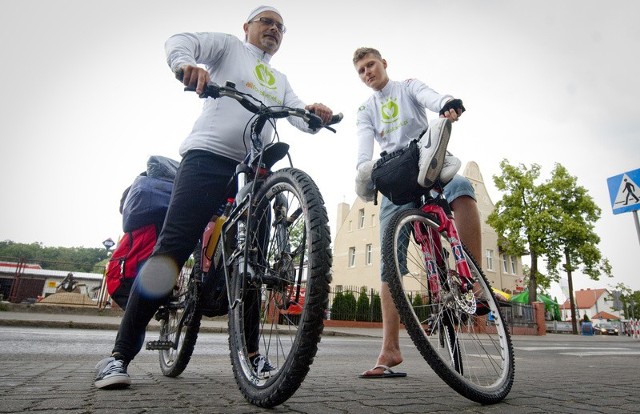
x=463, y=337
x=279, y=312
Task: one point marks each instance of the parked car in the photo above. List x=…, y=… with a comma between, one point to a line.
x=606, y=328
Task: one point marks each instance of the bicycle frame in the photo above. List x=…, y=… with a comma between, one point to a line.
x=430, y=243
x=447, y=226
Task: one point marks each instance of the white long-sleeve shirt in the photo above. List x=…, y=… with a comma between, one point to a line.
x=395, y=115
x=221, y=125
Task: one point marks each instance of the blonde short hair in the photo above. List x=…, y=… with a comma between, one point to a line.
x=363, y=51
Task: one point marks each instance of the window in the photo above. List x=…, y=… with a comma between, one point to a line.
x=361, y=218
x=352, y=257
x=350, y=225
x=505, y=263
x=514, y=265
x=373, y=220
x=369, y=254
x=489, y=256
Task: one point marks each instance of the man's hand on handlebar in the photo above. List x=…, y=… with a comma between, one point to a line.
x=321, y=110
x=193, y=77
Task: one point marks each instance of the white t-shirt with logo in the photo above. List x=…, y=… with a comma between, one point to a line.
x=395, y=115
x=221, y=125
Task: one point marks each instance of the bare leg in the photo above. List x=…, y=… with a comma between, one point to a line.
x=467, y=219
x=390, y=354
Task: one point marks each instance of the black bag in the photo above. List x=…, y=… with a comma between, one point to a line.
x=395, y=175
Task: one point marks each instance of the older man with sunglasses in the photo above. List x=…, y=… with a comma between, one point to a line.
x=210, y=153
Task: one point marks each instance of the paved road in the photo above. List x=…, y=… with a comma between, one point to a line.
x=51, y=370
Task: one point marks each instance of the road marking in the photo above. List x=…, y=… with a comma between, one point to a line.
x=563, y=348
x=601, y=353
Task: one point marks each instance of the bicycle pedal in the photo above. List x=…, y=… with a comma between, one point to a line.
x=159, y=345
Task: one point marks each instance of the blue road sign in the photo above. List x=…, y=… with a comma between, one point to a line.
x=624, y=191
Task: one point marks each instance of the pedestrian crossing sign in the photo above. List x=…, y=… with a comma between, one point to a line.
x=624, y=191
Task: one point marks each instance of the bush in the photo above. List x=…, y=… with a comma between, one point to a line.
x=343, y=307
x=349, y=306
x=418, y=305
x=363, y=311
x=376, y=308
x=337, y=307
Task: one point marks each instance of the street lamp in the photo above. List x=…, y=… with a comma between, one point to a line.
x=108, y=244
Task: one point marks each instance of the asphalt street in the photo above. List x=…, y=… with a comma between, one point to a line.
x=50, y=368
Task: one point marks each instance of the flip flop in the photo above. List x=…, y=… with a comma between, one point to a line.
x=386, y=373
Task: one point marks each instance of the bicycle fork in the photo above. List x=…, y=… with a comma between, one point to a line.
x=434, y=250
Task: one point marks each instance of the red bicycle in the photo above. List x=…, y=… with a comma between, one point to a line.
x=455, y=322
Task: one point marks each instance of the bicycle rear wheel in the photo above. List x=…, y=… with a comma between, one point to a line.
x=179, y=324
x=464, y=338
x=279, y=312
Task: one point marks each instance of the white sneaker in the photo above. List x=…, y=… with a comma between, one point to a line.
x=111, y=374
x=433, y=147
x=450, y=167
x=261, y=366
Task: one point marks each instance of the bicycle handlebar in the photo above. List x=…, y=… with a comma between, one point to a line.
x=213, y=90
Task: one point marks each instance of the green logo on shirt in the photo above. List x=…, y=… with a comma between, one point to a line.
x=390, y=111
x=264, y=76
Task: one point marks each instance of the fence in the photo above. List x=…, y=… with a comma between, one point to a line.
x=519, y=315
x=350, y=303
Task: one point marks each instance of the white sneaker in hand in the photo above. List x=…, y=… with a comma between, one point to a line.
x=433, y=147
x=450, y=167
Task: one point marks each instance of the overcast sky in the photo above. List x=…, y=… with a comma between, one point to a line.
x=87, y=97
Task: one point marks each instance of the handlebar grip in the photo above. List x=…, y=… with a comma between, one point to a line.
x=212, y=90
x=335, y=119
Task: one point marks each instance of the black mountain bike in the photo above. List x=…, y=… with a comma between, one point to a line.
x=267, y=263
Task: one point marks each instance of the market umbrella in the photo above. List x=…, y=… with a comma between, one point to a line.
x=499, y=293
x=549, y=304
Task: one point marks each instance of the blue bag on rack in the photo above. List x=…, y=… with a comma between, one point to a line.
x=146, y=201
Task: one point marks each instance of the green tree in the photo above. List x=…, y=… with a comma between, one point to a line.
x=554, y=220
x=630, y=301
x=363, y=311
x=521, y=218
x=75, y=259
x=572, y=231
